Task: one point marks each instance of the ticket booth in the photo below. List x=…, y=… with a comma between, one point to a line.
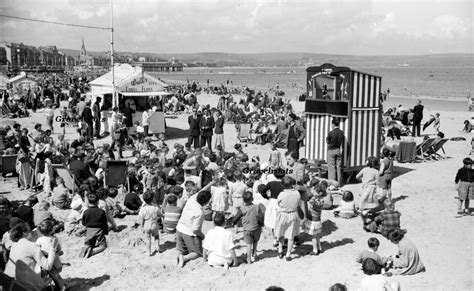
x=134, y=87
x=354, y=98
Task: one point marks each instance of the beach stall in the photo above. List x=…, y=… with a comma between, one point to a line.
x=134, y=87
x=22, y=83
x=354, y=98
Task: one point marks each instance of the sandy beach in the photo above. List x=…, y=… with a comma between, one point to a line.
x=424, y=193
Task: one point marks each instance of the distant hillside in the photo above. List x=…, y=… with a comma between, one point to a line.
x=304, y=59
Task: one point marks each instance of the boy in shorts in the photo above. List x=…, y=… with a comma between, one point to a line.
x=252, y=221
x=465, y=185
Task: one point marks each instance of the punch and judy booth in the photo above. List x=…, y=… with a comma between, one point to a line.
x=354, y=98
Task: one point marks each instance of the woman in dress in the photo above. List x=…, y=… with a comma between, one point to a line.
x=26, y=259
x=287, y=221
x=407, y=261
x=275, y=187
x=24, y=167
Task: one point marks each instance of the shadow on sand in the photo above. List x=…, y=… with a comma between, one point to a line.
x=78, y=284
x=399, y=171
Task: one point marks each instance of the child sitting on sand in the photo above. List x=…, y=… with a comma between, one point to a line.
x=47, y=242
x=252, y=222
x=73, y=221
x=102, y=194
x=385, y=221
x=374, y=280
x=132, y=201
x=218, y=245
x=346, y=207
x=148, y=219
x=371, y=253
x=95, y=221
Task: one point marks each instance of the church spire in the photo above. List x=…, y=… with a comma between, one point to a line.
x=83, y=47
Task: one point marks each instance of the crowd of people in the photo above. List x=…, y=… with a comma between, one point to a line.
x=174, y=188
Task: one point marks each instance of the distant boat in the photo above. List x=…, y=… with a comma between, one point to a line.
x=291, y=72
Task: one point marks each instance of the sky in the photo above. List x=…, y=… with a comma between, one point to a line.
x=377, y=27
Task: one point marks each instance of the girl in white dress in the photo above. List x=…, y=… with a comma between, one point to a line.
x=219, y=196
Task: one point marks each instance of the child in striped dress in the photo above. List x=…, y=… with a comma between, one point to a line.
x=171, y=213
x=315, y=207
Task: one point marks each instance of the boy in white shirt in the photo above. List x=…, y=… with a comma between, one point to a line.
x=219, y=246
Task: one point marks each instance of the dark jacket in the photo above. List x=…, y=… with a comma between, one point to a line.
x=194, y=125
x=299, y=132
x=96, y=110
x=207, y=124
x=219, y=125
x=87, y=115
x=418, y=113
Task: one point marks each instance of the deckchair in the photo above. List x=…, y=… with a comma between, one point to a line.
x=424, y=147
x=437, y=146
x=70, y=180
x=8, y=164
x=116, y=173
x=244, y=133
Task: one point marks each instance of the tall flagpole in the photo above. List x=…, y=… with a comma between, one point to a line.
x=114, y=99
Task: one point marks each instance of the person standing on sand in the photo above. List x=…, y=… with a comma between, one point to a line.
x=219, y=130
x=465, y=185
x=417, y=118
x=194, y=121
x=207, y=124
x=294, y=136
x=96, y=110
x=88, y=118
x=146, y=121
x=335, y=141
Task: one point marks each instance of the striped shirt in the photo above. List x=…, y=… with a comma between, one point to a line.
x=171, y=218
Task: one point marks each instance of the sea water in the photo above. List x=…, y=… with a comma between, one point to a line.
x=440, y=85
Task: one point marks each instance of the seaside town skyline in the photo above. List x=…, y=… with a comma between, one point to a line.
x=351, y=28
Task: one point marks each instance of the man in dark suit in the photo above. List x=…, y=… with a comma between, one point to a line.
x=207, y=125
x=194, y=122
x=294, y=136
x=96, y=110
x=88, y=118
x=417, y=118
x=335, y=142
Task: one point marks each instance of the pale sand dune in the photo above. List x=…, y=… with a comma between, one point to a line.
x=428, y=213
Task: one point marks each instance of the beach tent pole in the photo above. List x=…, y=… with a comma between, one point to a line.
x=114, y=99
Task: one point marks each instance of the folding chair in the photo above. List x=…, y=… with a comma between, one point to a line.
x=244, y=133
x=437, y=146
x=8, y=164
x=70, y=180
x=424, y=147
